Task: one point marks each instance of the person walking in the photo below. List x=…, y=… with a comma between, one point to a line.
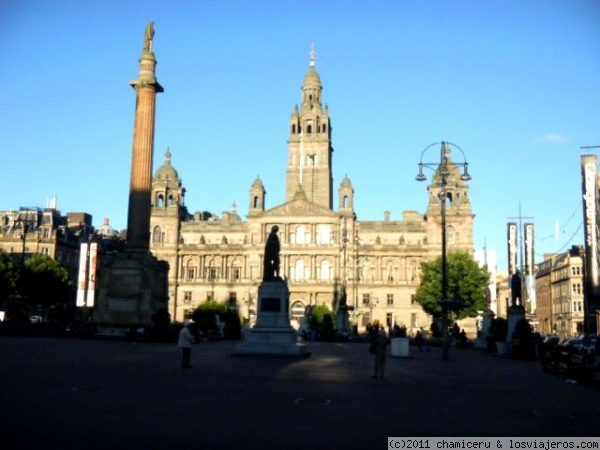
x=381, y=342
x=186, y=339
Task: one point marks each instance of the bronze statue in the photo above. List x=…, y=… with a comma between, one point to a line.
x=148, y=36
x=516, y=290
x=271, y=261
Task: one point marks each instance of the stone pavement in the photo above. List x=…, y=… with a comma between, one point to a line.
x=98, y=394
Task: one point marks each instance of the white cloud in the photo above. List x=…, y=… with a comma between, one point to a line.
x=552, y=139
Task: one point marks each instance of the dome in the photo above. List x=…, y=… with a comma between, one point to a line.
x=258, y=184
x=106, y=231
x=312, y=78
x=167, y=171
x=346, y=183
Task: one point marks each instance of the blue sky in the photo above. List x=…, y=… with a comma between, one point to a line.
x=513, y=83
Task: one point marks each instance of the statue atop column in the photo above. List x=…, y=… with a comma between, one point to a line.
x=271, y=261
x=516, y=290
x=148, y=36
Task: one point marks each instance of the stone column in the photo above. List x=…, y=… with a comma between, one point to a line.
x=140, y=188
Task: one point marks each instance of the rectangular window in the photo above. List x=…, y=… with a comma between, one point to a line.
x=187, y=314
x=413, y=299
x=390, y=299
x=210, y=295
x=237, y=274
x=366, y=299
x=232, y=299
x=187, y=296
x=389, y=317
x=414, y=320
x=366, y=319
x=212, y=273
x=191, y=273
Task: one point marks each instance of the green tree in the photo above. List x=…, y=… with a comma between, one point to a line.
x=321, y=320
x=204, y=318
x=466, y=284
x=45, y=281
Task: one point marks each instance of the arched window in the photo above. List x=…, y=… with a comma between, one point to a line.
x=413, y=271
x=323, y=234
x=324, y=128
x=190, y=270
x=449, y=197
x=301, y=237
x=157, y=236
x=299, y=270
x=294, y=129
x=170, y=200
x=160, y=200
x=235, y=271
x=297, y=310
x=451, y=234
x=255, y=201
x=211, y=270
x=345, y=201
x=366, y=271
x=309, y=129
x=389, y=271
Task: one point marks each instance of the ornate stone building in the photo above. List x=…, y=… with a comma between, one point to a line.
x=325, y=252
x=32, y=230
x=559, y=285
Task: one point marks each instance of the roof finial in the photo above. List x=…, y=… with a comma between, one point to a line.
x=312, y=54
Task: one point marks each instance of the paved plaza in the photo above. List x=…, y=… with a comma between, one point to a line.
x=98, y=394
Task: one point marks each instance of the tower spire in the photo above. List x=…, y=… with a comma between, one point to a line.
x=309, y=144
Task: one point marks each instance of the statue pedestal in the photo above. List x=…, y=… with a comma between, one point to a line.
x=515, y=313
x=272, y=335
x=486, y=321
x=132, y=286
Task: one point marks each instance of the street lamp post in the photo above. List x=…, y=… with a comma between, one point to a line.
x=26, y=225
x=442, y=170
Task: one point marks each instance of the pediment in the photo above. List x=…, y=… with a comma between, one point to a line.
x=299, y=207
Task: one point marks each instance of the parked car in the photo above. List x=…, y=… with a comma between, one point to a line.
x=576, y=358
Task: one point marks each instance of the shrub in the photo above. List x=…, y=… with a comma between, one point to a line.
x=204, y=318
x=321, y=321
x=523, y=341
x=498, y=329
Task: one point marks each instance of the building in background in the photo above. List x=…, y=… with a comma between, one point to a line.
x=31, y=230
x=560, y=285
x=328, y=256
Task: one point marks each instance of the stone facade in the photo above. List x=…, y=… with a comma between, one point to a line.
x=559, y=286
x=324, y=252
x=47, y=232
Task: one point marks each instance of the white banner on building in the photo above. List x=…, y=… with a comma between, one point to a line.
x=589, y=172
x=512, y=236
x=86, y=283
